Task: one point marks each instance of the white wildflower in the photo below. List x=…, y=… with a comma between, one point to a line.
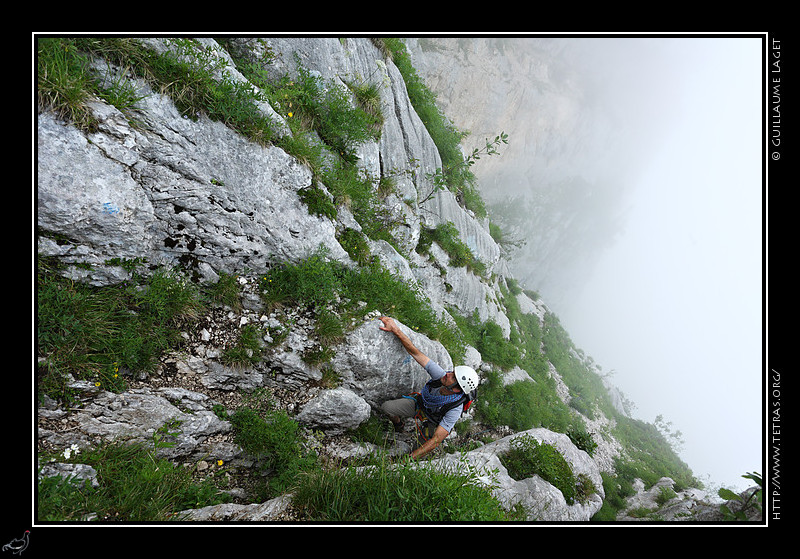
x=68, y=452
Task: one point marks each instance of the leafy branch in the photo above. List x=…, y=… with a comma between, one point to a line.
x=489, y=149
x=746, y=505
x=440, y=180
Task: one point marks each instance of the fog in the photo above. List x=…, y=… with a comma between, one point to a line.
x=673, y=306
x=633, y=171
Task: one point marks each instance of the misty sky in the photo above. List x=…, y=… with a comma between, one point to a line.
x=675, y=307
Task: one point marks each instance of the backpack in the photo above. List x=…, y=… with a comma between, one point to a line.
x=427, y=421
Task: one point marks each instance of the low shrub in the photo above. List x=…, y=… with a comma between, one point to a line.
x=582, y=439
x=527, y=457
x=272, y=438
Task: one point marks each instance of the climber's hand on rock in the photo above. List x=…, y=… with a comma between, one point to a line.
x=389, y=325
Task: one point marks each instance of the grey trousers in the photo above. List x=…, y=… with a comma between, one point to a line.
x=402, y=407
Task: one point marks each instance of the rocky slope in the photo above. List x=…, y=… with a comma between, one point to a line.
x=193, y=193
x=560, y=184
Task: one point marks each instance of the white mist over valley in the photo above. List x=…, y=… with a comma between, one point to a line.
x=633, y=177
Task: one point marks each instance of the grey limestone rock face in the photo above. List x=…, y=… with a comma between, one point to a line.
x=541, y=500
x=335, y=410
x=374, y=364
x=172, y=190
x=196, y=193
x=137, y=415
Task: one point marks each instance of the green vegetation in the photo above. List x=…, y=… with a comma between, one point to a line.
x=582, y=439
x=487, y=337
x=586, y=387
x=342, y=119
x=104, y=334
x=273, y=439
x=329, y=290
x=247, y=349
x=133, y=485
x=527, y=457
x=95, y=333
x=754, y=502
x=665, y=494
x=447, y=237
x=63, y=81
x=129, y=326
x=399, y=493
x=329, y=111
x=356, y=246
x=615, y=495
x=187, y=76
x=521, y=405
x=456, y=173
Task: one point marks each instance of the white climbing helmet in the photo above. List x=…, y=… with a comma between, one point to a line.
x=467, y=378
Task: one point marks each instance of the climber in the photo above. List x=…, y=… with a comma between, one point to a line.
x=443, y=389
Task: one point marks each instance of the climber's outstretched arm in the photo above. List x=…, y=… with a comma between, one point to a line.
x=390, y=325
